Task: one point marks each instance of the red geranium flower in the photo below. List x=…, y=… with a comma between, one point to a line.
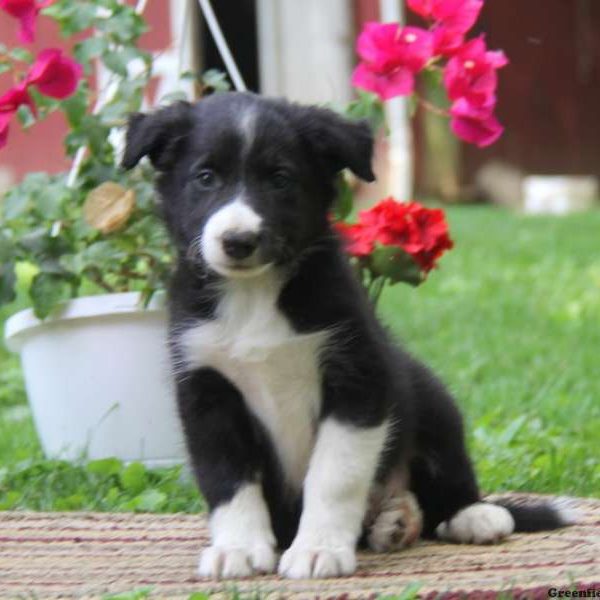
x=430, y=232
x=26, y=11
x=420, y=232
x=54, y=74
x=359, y=240
x=391, y=56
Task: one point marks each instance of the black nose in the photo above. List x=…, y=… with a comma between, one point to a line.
x=239, y=244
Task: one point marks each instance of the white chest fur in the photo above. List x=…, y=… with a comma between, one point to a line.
x=276, y=369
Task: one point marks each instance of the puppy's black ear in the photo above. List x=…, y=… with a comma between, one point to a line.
x=340, y=143
x=157, y=135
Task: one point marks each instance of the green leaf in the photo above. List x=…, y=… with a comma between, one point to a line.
x=15, y=203
x=51, y=201
x=91, y=133
x=512, y=430
x=57, y=10
x=47, y=291
x=198, y=596
x=410, y=592
x=35, y=240
x=44, y=104
x=91, y=48
x=344, y=202
x=138, y=594
x=4, y=67
x=8, y=281
x=116, y=61
x=76, y=105
x=7, y=247
x=21, y=54
x=99, y=254
x=105, y=467
x=133, y=477
x=217, y=80
x=395, y=264
x=176, y=96
x=151, y=500
x=25, y=116
x=127, y=98
x=11, y=499
x=73, y=17
x=189, y=76
x=367, y=106
x=125, y=26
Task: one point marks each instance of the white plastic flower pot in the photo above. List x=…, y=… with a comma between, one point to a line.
x=97, y=378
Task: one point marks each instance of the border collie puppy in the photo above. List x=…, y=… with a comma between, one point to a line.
x=308, y=429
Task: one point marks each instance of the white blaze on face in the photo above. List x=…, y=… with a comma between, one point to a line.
x=235, y=217
x=247, y=127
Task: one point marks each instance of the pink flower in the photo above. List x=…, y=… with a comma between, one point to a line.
x=391, y=56
x=26, y=11
x=453, y=18
x=54, y=74
x=471, y=73
x=459, y=15
x=4, y=121
x=446, y=41
x=386, y=85
x=9, y=104
x=421, y=7
x=475, y=124
x=15, y=97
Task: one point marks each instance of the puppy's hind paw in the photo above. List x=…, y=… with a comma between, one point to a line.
x=480, y=523
x=232, y=563
x=397, y=526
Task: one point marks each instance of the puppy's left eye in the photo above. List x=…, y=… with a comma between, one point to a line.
x=207, y=178
x=281, y=179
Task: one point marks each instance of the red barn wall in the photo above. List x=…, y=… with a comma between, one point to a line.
x=549, y=96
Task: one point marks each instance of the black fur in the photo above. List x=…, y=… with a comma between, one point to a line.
x=365, y=377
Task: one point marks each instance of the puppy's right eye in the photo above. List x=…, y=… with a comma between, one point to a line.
x=207, y=178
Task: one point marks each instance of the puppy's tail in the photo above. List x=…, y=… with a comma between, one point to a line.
x=539, y=515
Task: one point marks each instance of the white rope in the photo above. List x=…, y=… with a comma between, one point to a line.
x=140, y=7
x=224, y=51
x=400, y=178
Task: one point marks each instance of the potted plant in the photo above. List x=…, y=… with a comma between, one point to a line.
x=93, y=345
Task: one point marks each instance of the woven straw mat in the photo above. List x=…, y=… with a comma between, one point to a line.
x=90, y=555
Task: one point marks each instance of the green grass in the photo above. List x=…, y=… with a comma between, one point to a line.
x=511, y=321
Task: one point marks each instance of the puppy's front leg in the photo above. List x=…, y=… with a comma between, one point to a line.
x=226, y=460
x=336, y=488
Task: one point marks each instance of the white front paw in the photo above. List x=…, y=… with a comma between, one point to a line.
x=480, y=523
x=233, y=562
x=305, y=562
